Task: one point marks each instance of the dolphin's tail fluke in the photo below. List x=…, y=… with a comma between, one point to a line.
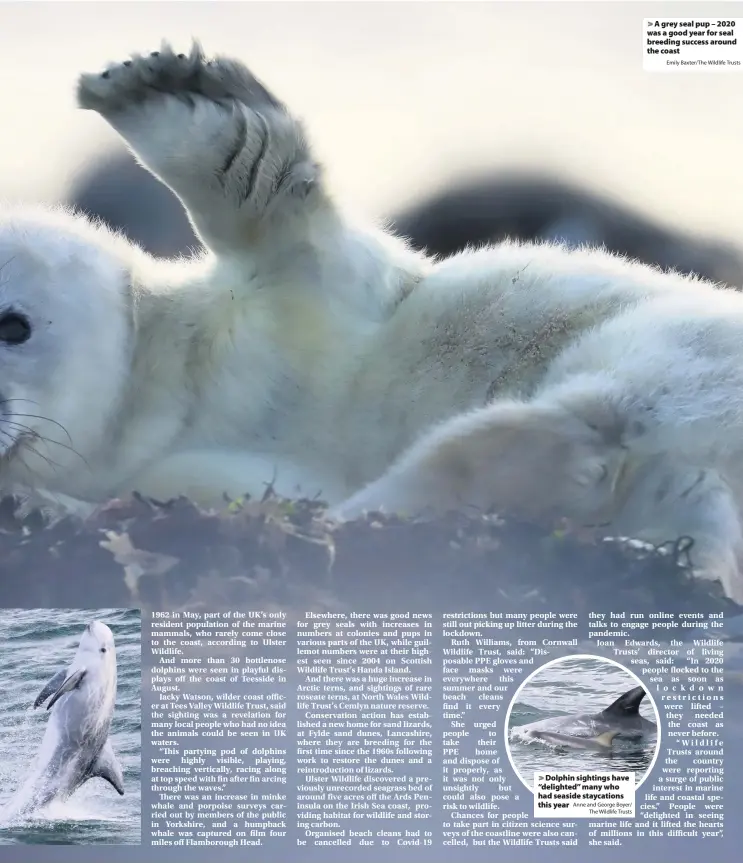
x=627, y=704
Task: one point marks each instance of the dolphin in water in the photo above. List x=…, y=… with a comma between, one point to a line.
x=599, y=743
x=75, y=746
x=594, y=732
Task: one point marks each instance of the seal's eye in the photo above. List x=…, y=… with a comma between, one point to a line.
x=15, y=328
x=103, y=650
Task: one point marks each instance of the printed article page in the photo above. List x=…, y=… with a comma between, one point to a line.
x=371, y=431
x=349, y=733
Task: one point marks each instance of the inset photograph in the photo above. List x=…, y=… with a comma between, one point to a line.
x=70, y=726
x=582, y=713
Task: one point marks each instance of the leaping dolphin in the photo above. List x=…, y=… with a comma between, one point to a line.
x=75, y=746
x=595, y=732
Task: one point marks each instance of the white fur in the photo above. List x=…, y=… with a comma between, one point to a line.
x=326, y=357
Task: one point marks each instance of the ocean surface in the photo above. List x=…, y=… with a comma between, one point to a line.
x=34, y=645
x=575, y=686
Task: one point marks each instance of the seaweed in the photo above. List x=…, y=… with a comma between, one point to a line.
x=276, y=553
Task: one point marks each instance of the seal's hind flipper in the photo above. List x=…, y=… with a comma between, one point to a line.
x=72, y=682
x=107, y=767
x=50, y=687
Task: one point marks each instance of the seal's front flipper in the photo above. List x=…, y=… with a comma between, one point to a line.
x=51, y=687
x=222, y=142
x=68, y=685
x=107, y=767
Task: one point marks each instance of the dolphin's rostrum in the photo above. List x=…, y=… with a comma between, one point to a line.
x=75, y=747
x=595, y=732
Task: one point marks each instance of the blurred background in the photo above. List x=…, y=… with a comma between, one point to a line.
x=460, y=122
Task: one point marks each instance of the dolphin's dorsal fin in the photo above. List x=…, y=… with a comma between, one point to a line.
x=606, y=738
x=68, y=685
x=107, y=767
x=627, y=704
x=50, y=687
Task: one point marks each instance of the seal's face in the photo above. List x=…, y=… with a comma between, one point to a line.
x=63, y=337
x=19, y=397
